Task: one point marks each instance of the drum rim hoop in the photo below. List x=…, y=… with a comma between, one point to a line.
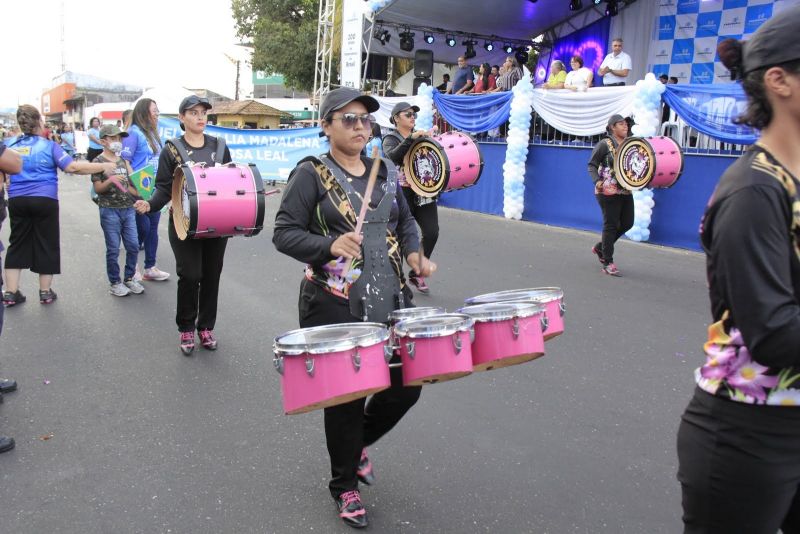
x=378, y=333
x=534, y=294
x=417, y=311
x=521, y=309
x=405, y=327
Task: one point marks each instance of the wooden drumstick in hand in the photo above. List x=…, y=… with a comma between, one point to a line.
x=373, y=176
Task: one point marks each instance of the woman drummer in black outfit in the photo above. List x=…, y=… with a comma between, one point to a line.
x=739, y=439
x=396, y=145
x=315, y=224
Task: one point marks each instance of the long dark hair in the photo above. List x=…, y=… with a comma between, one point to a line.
x=759, y=111
x=28, y=118
x=487, y=70
x=141, y=118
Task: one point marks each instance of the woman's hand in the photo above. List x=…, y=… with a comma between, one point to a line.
x=347, y=246
x=141, y=206
x=426, y=269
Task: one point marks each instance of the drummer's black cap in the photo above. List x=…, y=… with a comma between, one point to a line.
x=400, y=107
x=614, y=119
x=192, y=101
x=774, y=43
x=339, y=98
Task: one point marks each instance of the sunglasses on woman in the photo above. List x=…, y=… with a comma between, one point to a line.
x=349, y=120
x=409, y=115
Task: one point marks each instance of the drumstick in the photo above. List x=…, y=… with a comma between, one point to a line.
x=373, y=176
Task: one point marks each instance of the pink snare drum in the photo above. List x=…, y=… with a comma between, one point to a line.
x=506, y=333
x=551, y=297
x=648, y=162
x=217, y=201
x=435, y=348
x=444, y=162
x=329, y=365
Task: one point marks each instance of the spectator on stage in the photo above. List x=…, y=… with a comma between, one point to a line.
x=445, y=85
x=616, y=66
x=464, y=79
x=579, y=78
x=558, y=74
x=663, y=79
x=513, y=73
x=673, y=79
x=485, y=81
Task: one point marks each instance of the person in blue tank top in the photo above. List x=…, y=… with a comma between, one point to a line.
x=33, y=206
x=95, y=148
x=141, y=148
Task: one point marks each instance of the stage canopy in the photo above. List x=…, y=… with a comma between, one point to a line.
x=515, y=21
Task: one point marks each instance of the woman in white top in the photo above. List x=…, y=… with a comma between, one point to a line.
x=579, y=78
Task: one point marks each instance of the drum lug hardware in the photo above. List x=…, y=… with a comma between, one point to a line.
x=388, y=351
x=240, y=191
x=277, y=361
x=202, y=175
x=212, y=193
x=310, y=366
x=515, y=328
x=410, y=349
x=471, y=165
x=356, y=360
x=544, y=322
x=457, y=343
x=464, y=143
x=561, y=308
x=472, y=334
x=451, y=146
x=458, y=168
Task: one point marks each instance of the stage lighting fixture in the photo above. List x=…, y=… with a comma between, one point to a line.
x=385, y=37
x=406, y=41
x=488, y=46
x=469, y=53
x=429, y=38
x=598, y=2
x=507, y=48
x=612, y=9
x=575, y=5
x=521, y=55
x=450, y=40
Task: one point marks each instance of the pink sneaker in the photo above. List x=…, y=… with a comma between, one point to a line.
x=155, y=274
x=611, y=269
x=187, y=343
x=207, y=339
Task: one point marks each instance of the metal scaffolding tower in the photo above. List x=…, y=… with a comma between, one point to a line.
x=322, y=69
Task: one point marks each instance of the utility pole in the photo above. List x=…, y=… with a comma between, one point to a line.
x=236, y=62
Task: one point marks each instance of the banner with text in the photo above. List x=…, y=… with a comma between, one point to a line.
x=688, y=32
x=275, y=152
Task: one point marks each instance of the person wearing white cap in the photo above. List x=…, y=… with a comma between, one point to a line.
x=739, y=437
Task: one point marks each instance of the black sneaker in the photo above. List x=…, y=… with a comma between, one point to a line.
x=597, y=250
x=365, y=473
x=351, y=510
x=12, y=299
x=47, y=297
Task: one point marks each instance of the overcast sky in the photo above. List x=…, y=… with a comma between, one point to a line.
x=142, y=42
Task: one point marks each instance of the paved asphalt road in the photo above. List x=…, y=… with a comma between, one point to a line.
x=147, y=440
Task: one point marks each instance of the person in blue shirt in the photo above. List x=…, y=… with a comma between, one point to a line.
x=95, y=148
x=68, y=140
x=33, y=206
x=141, y=148
x=464, y=78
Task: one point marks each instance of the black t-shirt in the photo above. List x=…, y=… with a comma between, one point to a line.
x=169, y=160
x=751, y=233
x=394, y=148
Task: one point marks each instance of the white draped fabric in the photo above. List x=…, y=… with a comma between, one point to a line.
x=582, y=113
x=387, y=103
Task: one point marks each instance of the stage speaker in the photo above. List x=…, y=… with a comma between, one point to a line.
x=423, y=63
x=418, y=82
x=377, y=67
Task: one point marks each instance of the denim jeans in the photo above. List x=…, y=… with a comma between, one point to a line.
x=147, y=228
x=119, y=223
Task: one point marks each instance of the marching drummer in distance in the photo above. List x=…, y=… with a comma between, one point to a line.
x=615, y=201
x=396, y=145
x=316, y=224
x=197, y=261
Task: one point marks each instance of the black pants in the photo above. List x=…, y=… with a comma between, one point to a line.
x=198, y=263
x=617, y=219
x=739, y=467
x=35, y=241
x=351, y=426
x=427, y=218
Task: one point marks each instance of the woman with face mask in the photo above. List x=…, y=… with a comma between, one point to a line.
x=33, y=206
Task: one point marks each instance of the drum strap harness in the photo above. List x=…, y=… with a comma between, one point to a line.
x=180, y=146
x=418, y=200
x=376, y=293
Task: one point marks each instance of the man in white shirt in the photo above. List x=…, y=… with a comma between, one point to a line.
x=616, y=66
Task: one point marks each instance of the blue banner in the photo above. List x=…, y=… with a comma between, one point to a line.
x=711, y=108
x=478, y=113
x=275, y=152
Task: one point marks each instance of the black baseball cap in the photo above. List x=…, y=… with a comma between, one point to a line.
x=400, y=107
x=192, y=101
x=339, y=98
x=614, y=119
x=774, y=43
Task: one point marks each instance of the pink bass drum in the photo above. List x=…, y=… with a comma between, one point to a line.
x=445, y=162
x=435, y=348
x=648, y=162
x=328, y=365
x=506, y=333
x=551, y=297
x=221, y=201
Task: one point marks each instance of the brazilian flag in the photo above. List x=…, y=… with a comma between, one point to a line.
x=144, y=180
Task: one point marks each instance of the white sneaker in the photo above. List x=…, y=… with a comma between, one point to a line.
x=137, y=276
x=134, y=287
x=119, y=290
x=154, y=273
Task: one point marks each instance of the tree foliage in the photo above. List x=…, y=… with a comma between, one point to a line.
x=284, y=37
